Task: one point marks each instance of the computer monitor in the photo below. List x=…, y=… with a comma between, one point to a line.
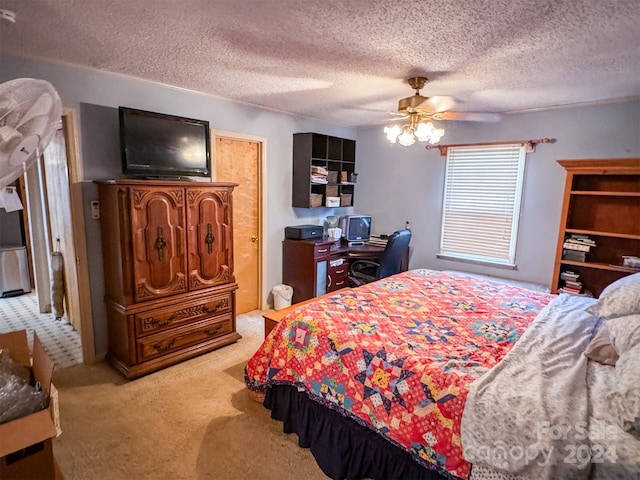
x=356, y=229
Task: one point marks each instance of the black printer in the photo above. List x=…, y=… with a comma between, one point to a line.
x=302, y=232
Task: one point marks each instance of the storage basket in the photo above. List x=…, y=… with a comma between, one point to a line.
x=345, y=200
x=332, y=190
x=332, y=202
x=332, y=176
x=257, y=396
x=316, y=200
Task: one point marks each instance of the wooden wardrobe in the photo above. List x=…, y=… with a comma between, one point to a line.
x=168, y=265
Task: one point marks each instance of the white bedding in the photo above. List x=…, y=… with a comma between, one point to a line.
x=543, y=412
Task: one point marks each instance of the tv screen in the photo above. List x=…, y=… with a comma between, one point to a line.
x=159, y=145
x=356, y=228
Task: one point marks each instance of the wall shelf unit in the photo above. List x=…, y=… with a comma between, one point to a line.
x=601, y=203
x=314, y=152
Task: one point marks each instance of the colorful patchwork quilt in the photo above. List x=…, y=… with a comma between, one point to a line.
x=398, y=355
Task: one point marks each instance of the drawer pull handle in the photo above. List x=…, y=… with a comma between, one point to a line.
x=213, y=331
x=339, y=272
x=339, y=283
x=160, y=244
x=219, y=304
x=322, y=250
x=163, y=348
x=162, y=323
x=209, y=239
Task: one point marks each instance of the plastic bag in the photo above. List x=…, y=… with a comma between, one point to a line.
x=17, y=397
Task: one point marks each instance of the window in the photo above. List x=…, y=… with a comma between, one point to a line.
x=481, y=206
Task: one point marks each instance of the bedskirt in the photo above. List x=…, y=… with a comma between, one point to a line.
x=342, y=448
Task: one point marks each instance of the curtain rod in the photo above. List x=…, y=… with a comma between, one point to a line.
x=530, y=145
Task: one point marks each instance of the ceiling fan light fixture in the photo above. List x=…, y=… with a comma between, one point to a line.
x=426, y=132
x=392, y=133
x=407, y=138
x=407, y=135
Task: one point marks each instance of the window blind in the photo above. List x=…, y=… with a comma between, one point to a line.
x=483, y=187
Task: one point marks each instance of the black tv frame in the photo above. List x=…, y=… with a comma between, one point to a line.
x=158, y=172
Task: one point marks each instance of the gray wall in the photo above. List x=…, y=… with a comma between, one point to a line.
x=397, y=183
x=96, y=96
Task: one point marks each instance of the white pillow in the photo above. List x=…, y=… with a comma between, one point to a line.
x=624, y=332
x=619, y=299
x=625, y=397
x=600, y=349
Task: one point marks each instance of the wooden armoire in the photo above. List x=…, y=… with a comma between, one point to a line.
x=168, y=265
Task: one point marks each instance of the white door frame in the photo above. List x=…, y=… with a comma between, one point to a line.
x=76, y=176
x=40, y=242
x=262, y=194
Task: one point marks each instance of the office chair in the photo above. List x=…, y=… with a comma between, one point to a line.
x=365, y=271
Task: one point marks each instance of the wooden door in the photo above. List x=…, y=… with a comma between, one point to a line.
x=159, y=250
x=239, y=161
x=210, y=245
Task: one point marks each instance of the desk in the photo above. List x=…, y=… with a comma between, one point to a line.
x=317, y=266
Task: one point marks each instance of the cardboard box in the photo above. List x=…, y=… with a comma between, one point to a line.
x=25, y=443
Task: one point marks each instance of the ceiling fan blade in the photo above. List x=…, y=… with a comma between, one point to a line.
x=398, y=119
x=437, y=103
x=469, y=116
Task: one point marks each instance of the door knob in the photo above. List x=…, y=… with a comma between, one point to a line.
x=254, y=238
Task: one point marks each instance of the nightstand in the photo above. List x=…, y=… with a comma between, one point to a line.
x=272, y=317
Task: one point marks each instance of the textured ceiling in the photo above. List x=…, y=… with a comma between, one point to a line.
x=345, y=61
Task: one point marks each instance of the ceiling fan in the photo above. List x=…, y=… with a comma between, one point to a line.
x=420, y=110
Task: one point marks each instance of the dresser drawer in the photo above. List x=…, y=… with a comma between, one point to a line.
x=157, y=345
x=339, y=267
x=161, y=319
x=321, y=250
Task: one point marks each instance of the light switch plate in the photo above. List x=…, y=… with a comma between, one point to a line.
x=95, y=209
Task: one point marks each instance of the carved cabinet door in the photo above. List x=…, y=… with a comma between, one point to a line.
x=159, y=247
x=209, y=235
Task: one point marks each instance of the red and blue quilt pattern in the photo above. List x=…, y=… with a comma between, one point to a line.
x=399, y=354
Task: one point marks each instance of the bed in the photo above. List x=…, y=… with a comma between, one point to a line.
x=422, y=374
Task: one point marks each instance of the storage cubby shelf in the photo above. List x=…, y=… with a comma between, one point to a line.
x=600, y=266
x=606, y=194
x=336, y=155
x=603, y=234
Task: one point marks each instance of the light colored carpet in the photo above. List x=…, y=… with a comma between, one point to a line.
x=194, y=420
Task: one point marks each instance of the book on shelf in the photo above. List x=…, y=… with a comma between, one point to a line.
x=573, y=284
x=585, y=293
x=574, y=255
x=569, y=275
x=581, y=239
x=573, y=291
x=576, y=246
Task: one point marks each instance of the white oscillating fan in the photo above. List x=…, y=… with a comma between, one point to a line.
x=29, y=112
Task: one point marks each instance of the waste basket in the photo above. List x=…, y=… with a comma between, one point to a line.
x=282, y=295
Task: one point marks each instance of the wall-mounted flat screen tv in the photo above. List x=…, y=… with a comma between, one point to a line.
x=163, y=146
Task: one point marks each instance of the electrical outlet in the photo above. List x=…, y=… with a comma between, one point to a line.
x=95, y=209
